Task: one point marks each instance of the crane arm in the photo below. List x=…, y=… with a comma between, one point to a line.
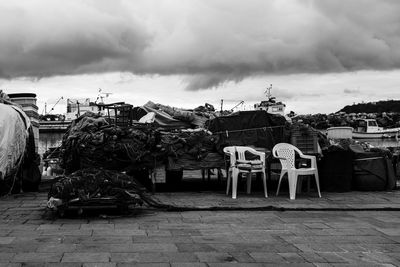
x=55, y=105
x=240, y=103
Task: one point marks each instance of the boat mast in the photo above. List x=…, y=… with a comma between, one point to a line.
x=268, y=92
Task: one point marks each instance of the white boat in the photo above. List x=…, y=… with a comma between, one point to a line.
x=270, y=105
x=369, y=129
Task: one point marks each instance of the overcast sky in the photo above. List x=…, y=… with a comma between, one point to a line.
x=319, y=55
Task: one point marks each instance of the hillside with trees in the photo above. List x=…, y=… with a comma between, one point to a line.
x=374, y=107
x=386, y=113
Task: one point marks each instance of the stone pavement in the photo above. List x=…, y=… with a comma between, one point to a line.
x=191, y=193
x=217, y=200
x=149, y=237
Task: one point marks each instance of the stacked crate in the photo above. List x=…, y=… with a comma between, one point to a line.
x=305, y=139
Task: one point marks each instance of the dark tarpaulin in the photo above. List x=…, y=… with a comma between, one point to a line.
x=336, y=170
x=373, y=171
x=250, y=128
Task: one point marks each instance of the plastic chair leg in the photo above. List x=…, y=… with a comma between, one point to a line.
x=317, y=182
x=292, y=177
x=235, y=174
x=280, y=180
x=265, y=183
x=299, y=184
x=228, y=181
x=248, y=183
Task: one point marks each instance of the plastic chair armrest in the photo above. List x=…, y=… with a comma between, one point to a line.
x=312, y=158
x=307, y=156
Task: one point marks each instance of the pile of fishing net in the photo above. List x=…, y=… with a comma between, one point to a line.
x=97, y=188
x=92, y=142
x=191, y=149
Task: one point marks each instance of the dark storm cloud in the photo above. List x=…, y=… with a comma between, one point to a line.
x=208, y=42
x=46, y=38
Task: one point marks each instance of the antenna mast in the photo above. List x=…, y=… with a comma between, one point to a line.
x=268, y=91
x=101, y=96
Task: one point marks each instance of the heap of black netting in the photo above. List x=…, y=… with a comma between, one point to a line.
x=97, y=156
x=97, y=187
x=89, y=184
x=92, y=142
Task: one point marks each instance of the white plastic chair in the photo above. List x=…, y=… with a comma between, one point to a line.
x=239, y=164
x=286, y=155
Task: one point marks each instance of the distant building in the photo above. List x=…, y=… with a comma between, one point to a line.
x=77, y=107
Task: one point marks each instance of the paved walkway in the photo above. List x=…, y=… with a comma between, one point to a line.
x=195, y=194
x=205, y=238
x=211, y=200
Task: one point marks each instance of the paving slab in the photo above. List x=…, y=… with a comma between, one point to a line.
x=86, y=257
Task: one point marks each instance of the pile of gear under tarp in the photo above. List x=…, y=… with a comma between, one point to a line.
x=173, y=118
x=196, y=117
x=96, y=188
x=14, y=126
x=18, y=159
x=351, y=165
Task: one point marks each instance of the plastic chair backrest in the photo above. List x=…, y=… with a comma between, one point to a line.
x=239, y=153
x=287, y=151
x=231, y=150
x=240, y=150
